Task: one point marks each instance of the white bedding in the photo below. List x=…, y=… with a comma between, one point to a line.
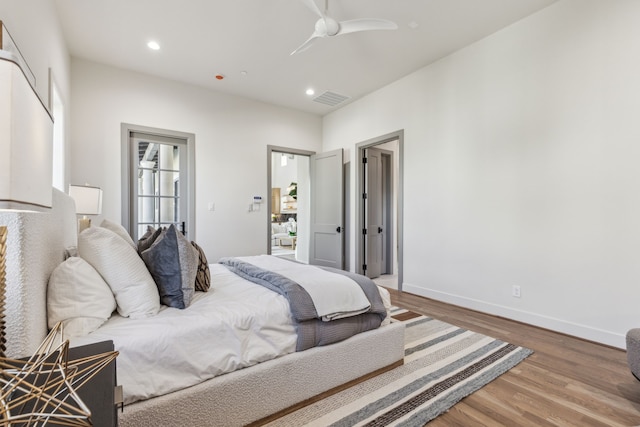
x=334, y=296
x=236, y=324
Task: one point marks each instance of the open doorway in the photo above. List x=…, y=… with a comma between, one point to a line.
x=379, y=209
x=306, y=208
x=289, y=203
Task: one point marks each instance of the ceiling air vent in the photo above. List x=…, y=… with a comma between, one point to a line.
x=330, y=98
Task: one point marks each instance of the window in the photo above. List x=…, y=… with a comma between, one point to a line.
x=159, y=180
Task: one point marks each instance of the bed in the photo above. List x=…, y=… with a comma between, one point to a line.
x=232, y=390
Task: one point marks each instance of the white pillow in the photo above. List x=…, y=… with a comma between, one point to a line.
x=119, y=230
x=123, y=270
x=79, y=298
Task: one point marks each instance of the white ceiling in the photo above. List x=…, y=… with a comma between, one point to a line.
x=202, y=38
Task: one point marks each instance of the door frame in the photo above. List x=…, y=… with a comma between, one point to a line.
x=387, y=162
x=388, y=182
x=359, y=247
x=270, y=150
x=126, y=129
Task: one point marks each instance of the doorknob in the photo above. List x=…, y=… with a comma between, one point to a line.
x=379, y=230
x=339, y=229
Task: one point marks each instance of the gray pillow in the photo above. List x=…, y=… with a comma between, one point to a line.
x=147, y=240
x=173, y=264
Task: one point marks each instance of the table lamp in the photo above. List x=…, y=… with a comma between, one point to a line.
x=88, y=202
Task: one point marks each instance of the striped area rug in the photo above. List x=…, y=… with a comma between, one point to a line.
x=442, y=365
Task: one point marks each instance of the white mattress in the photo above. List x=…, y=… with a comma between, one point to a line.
x=235, y=325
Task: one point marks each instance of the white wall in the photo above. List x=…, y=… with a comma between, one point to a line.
x=521, y=168
x=283, y=176
x=232, y=135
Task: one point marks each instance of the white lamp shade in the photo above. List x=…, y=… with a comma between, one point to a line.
x=26, y=140
x=88, y=199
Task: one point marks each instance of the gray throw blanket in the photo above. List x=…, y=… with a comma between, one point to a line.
x=310, y=329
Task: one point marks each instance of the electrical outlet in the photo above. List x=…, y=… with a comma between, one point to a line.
x=515, y=291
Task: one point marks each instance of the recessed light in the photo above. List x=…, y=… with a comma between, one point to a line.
x=310, y=92
x=413, y=25
x=153, y=45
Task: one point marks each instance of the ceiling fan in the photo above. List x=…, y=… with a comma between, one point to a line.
x=326, y=26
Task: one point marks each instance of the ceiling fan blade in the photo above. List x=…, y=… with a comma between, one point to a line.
x=306, y=45
x=311, y=4
x=328, y=27
x=365, y=24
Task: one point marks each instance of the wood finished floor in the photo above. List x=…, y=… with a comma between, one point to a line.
x=566, y=382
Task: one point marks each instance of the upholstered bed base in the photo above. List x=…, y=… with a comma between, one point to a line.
x=250, y=394
x=35, y=246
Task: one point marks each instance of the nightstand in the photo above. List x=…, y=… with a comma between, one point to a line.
x=98, y=393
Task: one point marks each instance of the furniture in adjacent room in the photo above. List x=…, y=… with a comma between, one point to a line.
x=278, y=232
x=281, y=235
x=289, y=205
x=293, y=240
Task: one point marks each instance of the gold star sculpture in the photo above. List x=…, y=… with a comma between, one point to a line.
x=43, y=389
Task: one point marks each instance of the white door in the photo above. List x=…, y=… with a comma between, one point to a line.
x=373, y=212
x=327, y=214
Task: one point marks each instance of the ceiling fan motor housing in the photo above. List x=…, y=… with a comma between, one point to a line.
x=327, y=26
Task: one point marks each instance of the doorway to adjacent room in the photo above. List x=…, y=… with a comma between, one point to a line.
x=379, y=209
x=290, y=204
x=306, y=207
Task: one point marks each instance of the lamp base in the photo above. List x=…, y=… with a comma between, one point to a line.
x=83, y=223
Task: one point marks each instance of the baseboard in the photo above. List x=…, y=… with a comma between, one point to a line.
x=535, y=319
